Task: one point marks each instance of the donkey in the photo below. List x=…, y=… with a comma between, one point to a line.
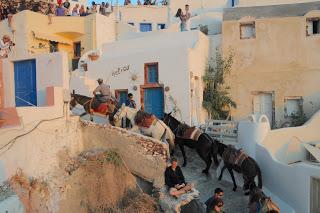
x=202, y=142
x=146, y=124
x=238, y=161
x=88, y=102
x=259, y=202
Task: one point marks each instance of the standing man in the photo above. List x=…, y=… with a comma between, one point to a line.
x=174, y=179
x=212, y=201
x=132, y=104
x=187, y=17
x=104, y=90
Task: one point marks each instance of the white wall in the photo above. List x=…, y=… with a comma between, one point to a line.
x=173, y=53
x=250, y=3
x=52, y=70
x=289, y=182
x=105, y=29
x=144, y=14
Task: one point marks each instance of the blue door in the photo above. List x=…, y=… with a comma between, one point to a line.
x=123, y=97
x=154, y=101
x=25, y=83
x=145, y=27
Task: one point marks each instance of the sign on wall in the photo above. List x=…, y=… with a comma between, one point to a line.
x=120, y=70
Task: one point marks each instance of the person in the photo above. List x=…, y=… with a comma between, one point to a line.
x=138, y=2
x=75, y=10
x=187, y=17
x=175, y=181
x=130, y=102
x=60, y=11
x=102, y=9
x=67, y=5
x=182, y=23
x=218, y=194
x=5, y=46
x=82, y=11
x=217, y=206
x=104, y=90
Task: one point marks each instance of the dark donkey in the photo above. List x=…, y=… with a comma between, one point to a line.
x=203, y=145
x=238, y=161
x=87, y=103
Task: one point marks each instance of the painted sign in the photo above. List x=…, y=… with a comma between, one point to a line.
x=120, y=70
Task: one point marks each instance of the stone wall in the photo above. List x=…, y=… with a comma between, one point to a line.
x=143, y=156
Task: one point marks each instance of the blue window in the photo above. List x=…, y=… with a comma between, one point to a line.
x=131, y=23
x=161, y=26
x=152, y=74
x=145, y=27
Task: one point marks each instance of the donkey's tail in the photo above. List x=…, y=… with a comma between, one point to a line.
x=259, y=177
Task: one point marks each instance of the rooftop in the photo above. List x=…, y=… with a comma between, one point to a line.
x=285, y=10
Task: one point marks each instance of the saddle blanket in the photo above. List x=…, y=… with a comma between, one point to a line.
x=192, y=133
x=102, y=109
x=148, y=121
x=234, y=156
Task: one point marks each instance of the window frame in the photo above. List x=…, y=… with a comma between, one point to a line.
x=74, y=49
x=146, y=73
x=300, y=104
x=312, y=20
x=250, y=23
x=161, y=24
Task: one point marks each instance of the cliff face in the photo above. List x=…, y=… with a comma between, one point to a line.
x=94, y=181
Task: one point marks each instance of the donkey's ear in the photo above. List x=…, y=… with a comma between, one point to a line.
x=123, y=106
x=170, y=113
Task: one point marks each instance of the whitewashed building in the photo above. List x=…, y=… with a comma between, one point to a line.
x=163, y=71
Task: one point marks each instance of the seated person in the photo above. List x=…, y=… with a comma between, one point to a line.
x=217, y=206
x=218, y=194
x=174, y=179
x=104, y=90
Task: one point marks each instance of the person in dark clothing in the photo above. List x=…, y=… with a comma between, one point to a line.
x=132, y=104
x=218, y=194
x=175, y=181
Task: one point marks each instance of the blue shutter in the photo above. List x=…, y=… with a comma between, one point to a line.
x=25, y=83
x=153, y=74
x=145, y=27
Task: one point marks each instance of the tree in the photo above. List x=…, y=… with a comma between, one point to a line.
x=216, y=95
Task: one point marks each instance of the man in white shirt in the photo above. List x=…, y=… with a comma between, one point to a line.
x=187, y=17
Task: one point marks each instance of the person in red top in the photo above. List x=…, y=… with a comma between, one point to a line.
x=59, y=2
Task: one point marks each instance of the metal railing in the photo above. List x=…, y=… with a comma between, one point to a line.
x=222, y=130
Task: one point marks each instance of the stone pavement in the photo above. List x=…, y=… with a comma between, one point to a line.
x=235, y=202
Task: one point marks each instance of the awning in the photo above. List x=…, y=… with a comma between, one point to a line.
x=52, y=37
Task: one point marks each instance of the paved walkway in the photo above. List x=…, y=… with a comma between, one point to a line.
x=235, y=202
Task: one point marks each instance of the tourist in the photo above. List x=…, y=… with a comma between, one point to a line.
x=127, y=2
x=138, y=2
x=60, y=11
x=164, y=2
x=102, y=9
x=187, y=17
x=108, y=8
x=103, y=90
x=22, y=6
x=93, y=8
x=36, y=7
x=82, y=11
x=182, y=20
x=147, y=2
x=75, y=10
x=67, y=5
x=174, y=179
x=217, y=206
x=218, y=194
